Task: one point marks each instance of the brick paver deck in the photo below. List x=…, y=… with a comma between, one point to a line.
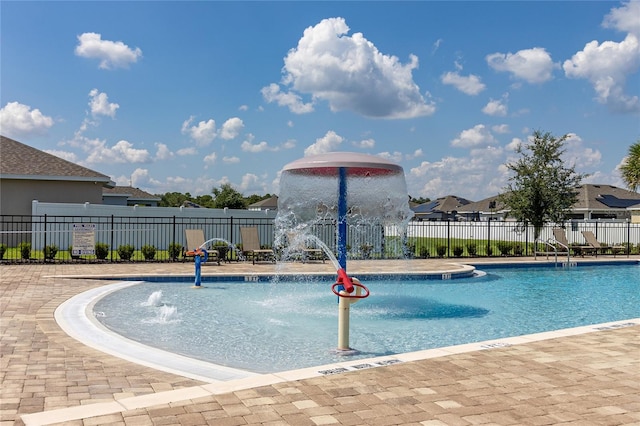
x=50, y=378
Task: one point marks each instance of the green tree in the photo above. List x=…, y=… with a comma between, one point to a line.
x=542, y=189
x=173, y=199
x=226, y=196
x=630, y=169
x=419, y=200
x=254, y=198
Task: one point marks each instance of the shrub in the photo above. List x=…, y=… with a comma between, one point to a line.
x=3, y=249
x=148, y=251
x=50, y=251
x=458, y=250
x=25, y=250
x=424, y=252
x=102, y=250
x=472, y=249
x=505, y=248
x=125, y=251
x=489, y=250
x=441, y=250
x=366, y=249
x=174, y=251
x=518, y=250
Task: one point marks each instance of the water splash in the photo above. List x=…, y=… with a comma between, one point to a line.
x=165, y=314
x=154, y=299
x=227, y=243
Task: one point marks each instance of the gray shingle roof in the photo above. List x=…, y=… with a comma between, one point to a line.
x=18, y=160
x=131, y=192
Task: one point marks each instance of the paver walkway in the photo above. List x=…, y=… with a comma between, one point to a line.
x=586, y=379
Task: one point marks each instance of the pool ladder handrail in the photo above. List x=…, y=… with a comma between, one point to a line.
x=553, y=243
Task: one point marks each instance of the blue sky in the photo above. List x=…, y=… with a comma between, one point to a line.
x=187, y=96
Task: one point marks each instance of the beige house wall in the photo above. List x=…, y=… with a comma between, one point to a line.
x=635, y=216
x=16, y=195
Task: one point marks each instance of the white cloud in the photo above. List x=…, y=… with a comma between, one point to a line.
x=329, y=142
x=231, y=128
x=121, y=152
x=247, y=146
x=187, y=151
x=364, y=144
x=496, y=107
x=100, y=105
x=470, y=85
x=478, y=136
x=398, y=156
x=18, y=120
x=350, y=73
x=607, y=67
x=230, y=160
x=163, y=152
x=209, y=160
x=111, y=54
x=474, y=177
x=500, y=128
x=272, y=93
x=577, y=154
x=202, y=133
x=531, y=65
x=625, y=18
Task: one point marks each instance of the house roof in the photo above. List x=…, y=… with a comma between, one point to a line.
x=443, y=204
x=270, y=203
x=604, y=197
x=129, y=192
x=20, y=161
x=487, y=205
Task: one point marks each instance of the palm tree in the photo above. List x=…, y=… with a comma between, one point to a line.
x=630, y=169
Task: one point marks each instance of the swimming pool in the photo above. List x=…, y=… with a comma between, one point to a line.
x=282, y=325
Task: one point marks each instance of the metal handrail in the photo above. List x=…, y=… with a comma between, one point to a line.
x=553, y=243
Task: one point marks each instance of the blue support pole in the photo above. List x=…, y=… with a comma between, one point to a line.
x=342, y=217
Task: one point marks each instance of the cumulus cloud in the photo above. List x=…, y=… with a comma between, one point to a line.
x=478, y=136
x=350, y=73
x=475, y=177
x=230, y=160
x=364, y=144
x=247, y=146
x=187, y=151
x=609, y=64
x=398, y=156
x=231, y=128
x=209, y=160
x=294, y=102
x=121, y=152
x=329, y=142
x=19, y=120
x=496, y=107
x=576, y=153
x=111, y=54
x=470, y=85
x=531, y=65
x=202, y=133
x=100, y=104
x=163, y=152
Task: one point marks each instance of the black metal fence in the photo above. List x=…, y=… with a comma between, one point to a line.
x=51, y=238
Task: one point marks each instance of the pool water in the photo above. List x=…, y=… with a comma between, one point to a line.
x=269, y=327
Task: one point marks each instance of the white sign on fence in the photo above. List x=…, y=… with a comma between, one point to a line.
x=84, y=239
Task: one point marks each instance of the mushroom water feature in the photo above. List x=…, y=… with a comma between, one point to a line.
x=352, y=191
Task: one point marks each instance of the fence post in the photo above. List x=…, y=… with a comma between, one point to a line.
x=629, y=237
x=448, y=238
x=173, y=237
x=487, y=248
x=45, y=239
x=112, y=241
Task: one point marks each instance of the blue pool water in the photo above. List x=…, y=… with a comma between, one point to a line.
x=276, y=326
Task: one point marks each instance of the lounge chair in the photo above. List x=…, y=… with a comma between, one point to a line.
x=195, y=240
x=595, y=245
x=299, y=243
x=251, y=246
x=560, y=240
